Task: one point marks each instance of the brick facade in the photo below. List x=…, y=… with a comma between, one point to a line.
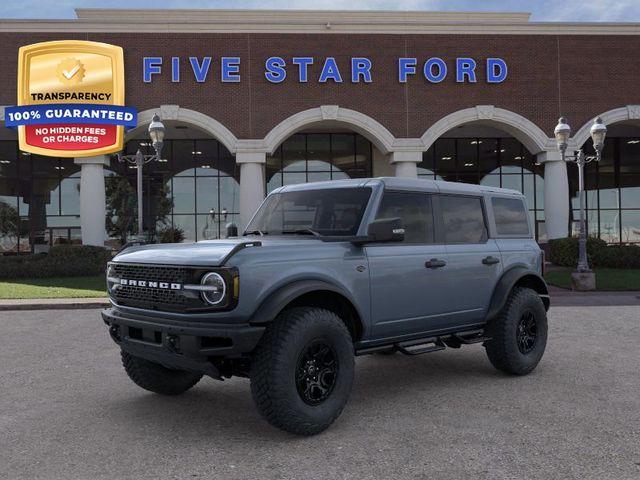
x=575, y=75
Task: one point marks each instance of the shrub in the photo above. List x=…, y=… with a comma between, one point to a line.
x=61, y=261
x=564, y=252
x=171, y=235
x=618, y=256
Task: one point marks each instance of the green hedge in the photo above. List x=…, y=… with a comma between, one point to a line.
x=564, y=252
x=61, y=261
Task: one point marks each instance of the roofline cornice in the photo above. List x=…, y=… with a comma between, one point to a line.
x=307, y=21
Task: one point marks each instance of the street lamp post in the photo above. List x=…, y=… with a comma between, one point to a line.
x=156, y=133
x=598, y=132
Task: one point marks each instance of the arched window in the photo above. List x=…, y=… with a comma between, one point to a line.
x=195, y=187
x=314, y=157
x=498, y=162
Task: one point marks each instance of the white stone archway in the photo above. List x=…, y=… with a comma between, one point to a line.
x=622, y=114
x=192, y=117
x=185, y=115
x=527, y=132
x=363, y=124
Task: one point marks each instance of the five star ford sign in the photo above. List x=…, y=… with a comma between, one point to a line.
x=70, y=99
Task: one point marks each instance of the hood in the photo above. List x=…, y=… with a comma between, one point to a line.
x=209, y=253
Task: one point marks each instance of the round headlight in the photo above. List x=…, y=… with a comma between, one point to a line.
x=215, y=288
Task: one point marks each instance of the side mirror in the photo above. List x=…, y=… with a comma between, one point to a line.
x=386, y=230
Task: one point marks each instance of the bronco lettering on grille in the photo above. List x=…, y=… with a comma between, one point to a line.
x=150, y=284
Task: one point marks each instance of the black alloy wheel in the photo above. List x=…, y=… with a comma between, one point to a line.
x=527, y=332
x=316, y=372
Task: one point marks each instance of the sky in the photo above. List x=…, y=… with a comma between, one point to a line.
x=542, y=10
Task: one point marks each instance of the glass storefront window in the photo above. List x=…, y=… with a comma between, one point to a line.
x=512, y=181
x=183, y=194
x=612, y=190
x=629, y=149
x=630, y=191
x=445, y=158
x=609, y=225
x=188, y=225
x=488, y=152
x=630, y=225
x=189, y=189
x=319, y=152
x=70, y=196
x=467, y=159
x=316, y=157
x=206, y=195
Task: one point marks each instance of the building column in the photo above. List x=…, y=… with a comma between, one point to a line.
x=556, y=194
x=252, y=184
x=406, y=163
x=93, y=208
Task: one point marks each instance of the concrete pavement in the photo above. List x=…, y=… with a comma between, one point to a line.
x=68, y=411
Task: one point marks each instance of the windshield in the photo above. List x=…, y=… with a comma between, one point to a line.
x=326, y=212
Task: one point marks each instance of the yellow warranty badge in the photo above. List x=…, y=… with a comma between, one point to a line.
x=71, y=72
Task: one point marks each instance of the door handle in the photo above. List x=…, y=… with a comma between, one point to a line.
x=435, y=263
x=490, y=260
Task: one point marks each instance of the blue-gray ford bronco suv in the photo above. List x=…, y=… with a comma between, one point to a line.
x=325, y=272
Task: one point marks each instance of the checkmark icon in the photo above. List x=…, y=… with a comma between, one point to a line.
x=71, y=73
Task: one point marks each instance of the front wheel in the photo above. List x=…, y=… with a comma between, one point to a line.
x=519, y=333
x=302, y=370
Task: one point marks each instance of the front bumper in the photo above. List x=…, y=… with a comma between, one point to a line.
x=183, y=345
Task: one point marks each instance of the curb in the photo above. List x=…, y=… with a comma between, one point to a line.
x=53, y=304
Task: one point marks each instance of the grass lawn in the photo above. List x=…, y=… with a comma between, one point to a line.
x=71, y=287
x=606, y=278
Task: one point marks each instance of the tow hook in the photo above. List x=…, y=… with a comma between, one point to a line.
x=173, y=343
x=114, y=331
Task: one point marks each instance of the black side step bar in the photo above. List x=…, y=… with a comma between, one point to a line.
x=429, y=344
x=469, y=338
x=418, y=347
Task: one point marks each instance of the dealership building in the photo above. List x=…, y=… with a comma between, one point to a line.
x=253, y=100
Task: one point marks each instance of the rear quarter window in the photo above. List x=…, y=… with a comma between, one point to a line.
x=511, y=216
x=463, y=219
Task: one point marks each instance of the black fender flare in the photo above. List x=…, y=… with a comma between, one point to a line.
x=280, y=298
x=509, y=279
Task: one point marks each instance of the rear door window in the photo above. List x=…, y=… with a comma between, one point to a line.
x=463, y=219
x=511, y=216
x=414, y=209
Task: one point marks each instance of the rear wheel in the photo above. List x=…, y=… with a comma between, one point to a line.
x=302, y=370
x=518, y=334
x=156, y=378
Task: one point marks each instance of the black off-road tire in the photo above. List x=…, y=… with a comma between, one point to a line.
x=156, y=378
x=510, y=350
x=279, y=370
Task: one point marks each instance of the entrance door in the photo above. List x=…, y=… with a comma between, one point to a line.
x=408, y=279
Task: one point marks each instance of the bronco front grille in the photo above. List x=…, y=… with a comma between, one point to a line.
x=155, y=298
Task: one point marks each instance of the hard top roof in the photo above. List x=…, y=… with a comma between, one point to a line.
x=401, y=183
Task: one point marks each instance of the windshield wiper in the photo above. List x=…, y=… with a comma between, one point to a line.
x=256, y=232
x=301, y=231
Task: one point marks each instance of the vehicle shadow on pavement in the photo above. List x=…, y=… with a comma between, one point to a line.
x=226, y=408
